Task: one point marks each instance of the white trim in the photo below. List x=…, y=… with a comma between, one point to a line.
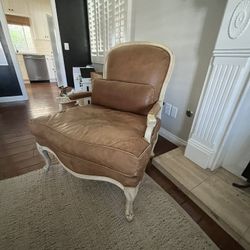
x=232, y=52
x=208, y=131
x=171, y=137
x=130, y=21
x=82, y=176
x=198, y=153
x=226, y=79
x=12, y=98
x=58, y=43
x=129, y=192
x=13, y=56
x=221, y=149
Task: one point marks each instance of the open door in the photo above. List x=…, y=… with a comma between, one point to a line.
x=11, y=82
x=56, y=47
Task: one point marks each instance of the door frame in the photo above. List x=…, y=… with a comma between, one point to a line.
x=58, y=42
x=24, y=95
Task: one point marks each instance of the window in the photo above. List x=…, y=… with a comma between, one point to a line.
x=20, y=33
x=108, y=25
x=21, y=38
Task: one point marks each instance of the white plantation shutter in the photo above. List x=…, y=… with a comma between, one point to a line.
x=108, y=22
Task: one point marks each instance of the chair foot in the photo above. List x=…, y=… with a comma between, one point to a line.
x=130, y=194
x=152, y=155
x=44, y=153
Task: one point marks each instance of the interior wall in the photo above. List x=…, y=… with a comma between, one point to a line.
x=189, y=28
x=73, y=25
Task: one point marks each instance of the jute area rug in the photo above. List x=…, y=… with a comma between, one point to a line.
x=56, y=210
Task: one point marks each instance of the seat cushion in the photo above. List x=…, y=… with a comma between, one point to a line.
x=103, y=138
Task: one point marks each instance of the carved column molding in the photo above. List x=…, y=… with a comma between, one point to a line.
x=226, y=80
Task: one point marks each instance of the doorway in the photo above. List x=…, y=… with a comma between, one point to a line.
x=32, y=32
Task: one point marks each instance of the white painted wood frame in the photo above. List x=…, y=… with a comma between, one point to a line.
x=24, y=95
x=58, y=43
x=225, y=84
x=129, y=192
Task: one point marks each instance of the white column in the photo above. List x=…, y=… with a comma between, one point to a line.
x=226, y=80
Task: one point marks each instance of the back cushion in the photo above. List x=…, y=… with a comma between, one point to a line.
x=124, y=96
x=139, y=63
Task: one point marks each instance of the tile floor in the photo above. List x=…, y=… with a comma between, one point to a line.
x=213, y=191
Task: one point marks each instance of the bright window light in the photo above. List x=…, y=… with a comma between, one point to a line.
x=108, y=22
x=21, y=38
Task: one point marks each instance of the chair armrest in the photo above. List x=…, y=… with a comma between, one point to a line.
x=151, y=121
x=80, y=95
x=154, y=110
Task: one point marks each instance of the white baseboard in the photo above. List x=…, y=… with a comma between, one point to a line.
x=199, y=154
x=172, y=138
x=13, y=98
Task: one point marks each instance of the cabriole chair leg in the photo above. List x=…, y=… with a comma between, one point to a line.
x=44, y=153
x=130, y=194
x=152, y=154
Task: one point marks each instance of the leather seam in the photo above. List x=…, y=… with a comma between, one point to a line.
x=137, y=83
x=103, y=166
x=99, y=145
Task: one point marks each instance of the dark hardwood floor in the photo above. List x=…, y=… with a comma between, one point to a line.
x=18, y=154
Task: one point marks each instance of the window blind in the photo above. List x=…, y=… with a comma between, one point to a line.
x=107, y=26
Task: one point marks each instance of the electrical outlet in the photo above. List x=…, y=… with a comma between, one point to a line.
x=168, y=108
x=174, y=112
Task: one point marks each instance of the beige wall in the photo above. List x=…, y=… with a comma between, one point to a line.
x=189, y=28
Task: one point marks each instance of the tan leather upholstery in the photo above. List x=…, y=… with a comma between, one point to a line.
x=103, y=139
x=108, y=140
x=124, y=96
x=142, y=64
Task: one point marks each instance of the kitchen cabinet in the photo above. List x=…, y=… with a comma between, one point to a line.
x=15, y=7
x=39, y=10
x=51, y=68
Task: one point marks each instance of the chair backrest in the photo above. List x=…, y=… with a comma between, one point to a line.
x=135, y=77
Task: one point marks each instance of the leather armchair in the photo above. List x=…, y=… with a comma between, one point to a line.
x=113, y=138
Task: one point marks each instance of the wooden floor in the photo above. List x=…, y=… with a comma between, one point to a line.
x=18, y=154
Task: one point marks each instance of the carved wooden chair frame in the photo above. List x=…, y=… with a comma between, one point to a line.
x=154, y=113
